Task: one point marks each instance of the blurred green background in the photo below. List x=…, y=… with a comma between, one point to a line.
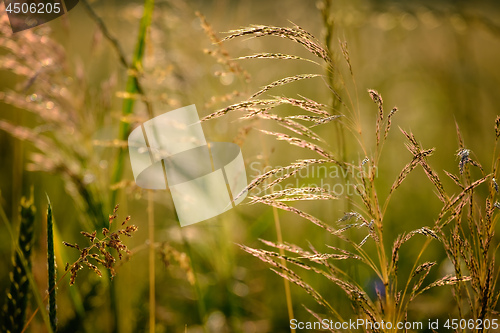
x=437, y=61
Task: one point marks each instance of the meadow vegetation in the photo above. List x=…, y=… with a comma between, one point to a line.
x=369, y=129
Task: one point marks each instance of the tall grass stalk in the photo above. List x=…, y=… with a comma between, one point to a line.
x=464, y=227
x=151, y=254
x=132, y=89
x=328, y=26
x=288, y=294
x=51, y=267
x=279, y=237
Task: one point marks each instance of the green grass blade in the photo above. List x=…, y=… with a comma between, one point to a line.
x=132, y=88
x=51, y=268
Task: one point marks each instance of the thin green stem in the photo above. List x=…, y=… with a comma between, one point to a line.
x=51, y=268
x=132, y=89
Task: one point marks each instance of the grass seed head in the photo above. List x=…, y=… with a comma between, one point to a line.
x=99, y=248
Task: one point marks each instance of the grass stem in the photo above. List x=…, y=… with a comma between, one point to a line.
x=279, y=236
x=51, y=267
x=151, y=255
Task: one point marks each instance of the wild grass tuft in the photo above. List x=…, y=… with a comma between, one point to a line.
x=468, y=242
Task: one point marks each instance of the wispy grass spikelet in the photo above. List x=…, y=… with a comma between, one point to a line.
x=287, y=273
x=404, y=173
x=220, y=53
x=345, y=53
x=241, y=106
x=423, y=270
x=419, y=158
x=305, y=117
x=296, y=194
x=300, y=143
x=424, y=266
x=423, y=231
x=285, y=207
x=284, y=81
x=446, y=281
x=379, y=101
x=305, y=104
x=260, y=105
x=287, y=123
x=455, y=179
x=291, y=170
x=389, y=121
x=326, y=120
x=282, y=56
x=466, y=190
x=350, y=215
x=287, y=247
x=295, y=34
x=375, y=96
